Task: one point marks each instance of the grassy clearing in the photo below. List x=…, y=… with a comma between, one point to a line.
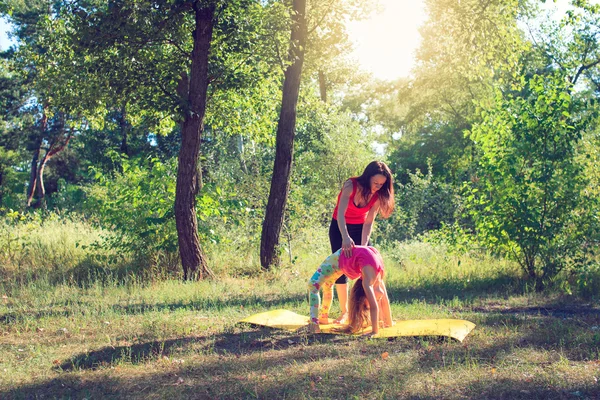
x=128, y=338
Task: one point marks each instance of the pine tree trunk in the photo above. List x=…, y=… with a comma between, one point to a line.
x=188, y=174
x=284, y=148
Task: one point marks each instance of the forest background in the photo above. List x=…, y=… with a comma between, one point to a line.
x=168, y=167
x=493, y=139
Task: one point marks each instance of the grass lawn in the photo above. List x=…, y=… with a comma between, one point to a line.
x=170, y=339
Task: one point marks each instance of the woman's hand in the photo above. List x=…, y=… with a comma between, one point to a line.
x=347, y=245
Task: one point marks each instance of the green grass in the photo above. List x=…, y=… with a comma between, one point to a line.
x=126, y=337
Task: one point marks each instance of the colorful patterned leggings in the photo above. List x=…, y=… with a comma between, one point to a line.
x=324, y=278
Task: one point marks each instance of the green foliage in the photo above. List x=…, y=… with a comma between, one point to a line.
x=527, y=198
x=136, y=205
x=423, y=204
x=14, y=125
x=55, y=248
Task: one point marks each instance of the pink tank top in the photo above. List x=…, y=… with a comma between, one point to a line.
x=355, y=215
x=361, y=256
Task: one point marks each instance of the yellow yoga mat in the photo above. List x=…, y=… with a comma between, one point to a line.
x=288, y=320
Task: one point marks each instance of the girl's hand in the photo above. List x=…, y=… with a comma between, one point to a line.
x=382, y=324
x=347, y=245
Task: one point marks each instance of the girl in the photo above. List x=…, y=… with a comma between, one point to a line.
x=358, y=203
x=369, y=292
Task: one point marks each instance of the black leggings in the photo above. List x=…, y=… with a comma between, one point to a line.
x=335, y=239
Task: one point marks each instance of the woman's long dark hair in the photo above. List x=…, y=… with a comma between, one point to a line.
x=386, y=193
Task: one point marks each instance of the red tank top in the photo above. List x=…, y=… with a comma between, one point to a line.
x=354, y=215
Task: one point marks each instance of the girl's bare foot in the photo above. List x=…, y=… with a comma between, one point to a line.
x=343, y=319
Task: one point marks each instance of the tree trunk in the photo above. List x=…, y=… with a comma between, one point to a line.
x=193, y=260
x=323, y=86
x=33, y=176
x=41, y=190
x=284, y=147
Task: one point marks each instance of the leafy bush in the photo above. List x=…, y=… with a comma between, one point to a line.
x=528, y=200
x=423, y=205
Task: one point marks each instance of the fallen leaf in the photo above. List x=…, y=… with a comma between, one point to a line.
x=385, y=355
x=55, y=362
x=493, y=371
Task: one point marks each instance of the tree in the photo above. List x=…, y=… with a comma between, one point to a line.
x=162, y=60
x=280, y=180
x=13, y=96
x=467, y=46
x=528, y=190
x=188, y=176
x=318, y=26
x=54, y=126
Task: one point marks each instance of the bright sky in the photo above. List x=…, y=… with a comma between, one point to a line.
x=4, y=41
x=385, y=44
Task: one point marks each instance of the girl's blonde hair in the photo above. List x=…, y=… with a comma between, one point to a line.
x=358, y=313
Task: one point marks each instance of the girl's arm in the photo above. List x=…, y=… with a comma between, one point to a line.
x=369, y=278
x=347, y=242
x=384, y=306
x=368, y=225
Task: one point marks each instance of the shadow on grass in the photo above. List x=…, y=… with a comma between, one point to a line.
x=208, y=304
x=249, y=340
x=228, y=374
x=265, y=363
x=475, y=288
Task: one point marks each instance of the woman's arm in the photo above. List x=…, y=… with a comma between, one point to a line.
x=347, y=242
x=368, y=225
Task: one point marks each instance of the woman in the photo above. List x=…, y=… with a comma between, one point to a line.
x=358, y=203
x=369, y=295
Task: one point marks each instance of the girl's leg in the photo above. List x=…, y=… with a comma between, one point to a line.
x=324, y=278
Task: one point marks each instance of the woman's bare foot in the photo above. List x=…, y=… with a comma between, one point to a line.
x=313, y=328
x=342, y=320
